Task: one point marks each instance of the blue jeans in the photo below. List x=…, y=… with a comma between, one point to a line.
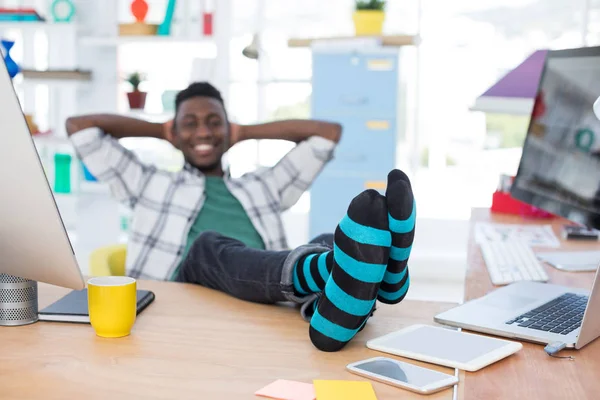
x=261, y=276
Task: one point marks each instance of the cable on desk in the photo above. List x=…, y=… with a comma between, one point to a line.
x=554, y=347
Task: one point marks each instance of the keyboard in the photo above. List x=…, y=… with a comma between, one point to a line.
x=562, y=315
x=511, y=261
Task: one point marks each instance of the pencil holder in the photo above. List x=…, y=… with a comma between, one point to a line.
x=18, y=301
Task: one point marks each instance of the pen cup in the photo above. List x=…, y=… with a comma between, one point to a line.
x=112, y=305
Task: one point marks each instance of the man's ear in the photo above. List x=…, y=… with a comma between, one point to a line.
x=175, y=138
x=170, y=132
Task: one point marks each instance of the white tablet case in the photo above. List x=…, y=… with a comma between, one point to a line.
x=476, y=364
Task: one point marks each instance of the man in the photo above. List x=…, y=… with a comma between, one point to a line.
x=171, y=209
x=201, y=226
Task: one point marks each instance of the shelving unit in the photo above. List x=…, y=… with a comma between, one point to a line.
x=150, y=116
x=91, y=43
x=386, y=41
x=119, y=40
x=35, y=26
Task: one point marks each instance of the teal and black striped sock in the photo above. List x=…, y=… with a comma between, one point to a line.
x=311, y=272
x=402, y=214
x=361, y=250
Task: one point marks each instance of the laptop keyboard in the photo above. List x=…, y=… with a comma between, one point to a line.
x=562, y=315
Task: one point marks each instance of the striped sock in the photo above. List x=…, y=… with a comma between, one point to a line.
x=311, y=272
x=360, y=255
x=402, y=215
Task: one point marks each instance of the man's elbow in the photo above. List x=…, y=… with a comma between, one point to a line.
x=72, y=126
x=335, y=132
x=76, y=124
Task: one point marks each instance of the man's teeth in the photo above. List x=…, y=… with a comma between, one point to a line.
x=203, y=147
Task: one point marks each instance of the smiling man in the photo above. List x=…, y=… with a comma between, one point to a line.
x=201, y=226
x=170, y=210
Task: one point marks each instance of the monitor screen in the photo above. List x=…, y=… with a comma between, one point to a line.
x=559, y=170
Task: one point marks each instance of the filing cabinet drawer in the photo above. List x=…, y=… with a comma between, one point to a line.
x=347, y=84
x=331, y=195
x=367, y=145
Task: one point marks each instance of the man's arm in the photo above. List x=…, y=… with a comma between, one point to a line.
x=95, y=138
x=116, y=126
x=292, y=130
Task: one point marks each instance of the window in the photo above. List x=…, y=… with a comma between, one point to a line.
x=243, y=108
x=466, y=47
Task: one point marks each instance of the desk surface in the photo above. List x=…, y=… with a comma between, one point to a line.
x=191, y=343
x=531, y=374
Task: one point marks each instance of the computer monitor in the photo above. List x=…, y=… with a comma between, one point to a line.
x=559, y=170
x=33, y=240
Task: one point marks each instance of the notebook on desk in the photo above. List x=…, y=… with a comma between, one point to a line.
x=74, y=307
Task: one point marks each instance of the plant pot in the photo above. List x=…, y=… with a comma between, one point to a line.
x=368, y=22
x=138, y=29
x=137, y=100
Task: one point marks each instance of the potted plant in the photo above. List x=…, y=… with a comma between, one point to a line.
x=368, y=17
x=137, y=99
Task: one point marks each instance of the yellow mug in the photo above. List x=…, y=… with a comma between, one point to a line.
x=112, y=304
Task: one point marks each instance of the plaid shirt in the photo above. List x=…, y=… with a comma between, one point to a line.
x=165, y=204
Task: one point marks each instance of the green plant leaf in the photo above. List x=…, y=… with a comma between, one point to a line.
x=378, y=5
x=135, y=79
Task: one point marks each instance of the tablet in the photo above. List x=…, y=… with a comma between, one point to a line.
x=447, y=347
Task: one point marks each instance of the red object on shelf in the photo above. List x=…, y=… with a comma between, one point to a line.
x=137, y=100
x=17, y=11
x=207, y=23
x=504, y=203
x=139, y=9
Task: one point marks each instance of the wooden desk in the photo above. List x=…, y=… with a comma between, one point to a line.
x=191, y=343
x=531, y=373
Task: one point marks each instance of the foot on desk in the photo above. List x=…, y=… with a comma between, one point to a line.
x=361, y=250
x=402, y=215
x=311, y=272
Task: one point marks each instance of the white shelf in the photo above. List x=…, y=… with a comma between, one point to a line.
x=37, y=25
x=50, y=140
x=60, y=83
x=120, y=40
x=153, y=117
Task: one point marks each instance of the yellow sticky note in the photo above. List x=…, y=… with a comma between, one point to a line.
x=344, y=390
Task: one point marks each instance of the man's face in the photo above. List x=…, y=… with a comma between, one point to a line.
x=201, y=132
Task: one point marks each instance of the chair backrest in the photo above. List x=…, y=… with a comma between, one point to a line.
x=108, y=261
x=116, y=261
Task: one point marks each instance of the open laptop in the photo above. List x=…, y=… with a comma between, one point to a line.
x=560, y=173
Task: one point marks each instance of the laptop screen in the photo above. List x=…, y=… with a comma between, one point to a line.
x=560, y=165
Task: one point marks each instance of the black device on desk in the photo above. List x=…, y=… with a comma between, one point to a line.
x=74, y=307
x=576, y=232
x=559, y=170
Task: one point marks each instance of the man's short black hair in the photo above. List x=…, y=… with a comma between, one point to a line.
x=198, y=89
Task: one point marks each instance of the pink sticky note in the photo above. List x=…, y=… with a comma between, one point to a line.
x=282, y=389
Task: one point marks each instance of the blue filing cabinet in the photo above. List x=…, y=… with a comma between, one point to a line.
x=359, y=89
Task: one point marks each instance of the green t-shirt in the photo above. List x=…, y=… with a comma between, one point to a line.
x=223, y=213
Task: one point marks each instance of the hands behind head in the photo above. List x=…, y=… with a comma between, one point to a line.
x=235, y=134
x=167, y=132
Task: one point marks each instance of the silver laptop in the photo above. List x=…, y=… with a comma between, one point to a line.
x=559, y=172
x=533, y=311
